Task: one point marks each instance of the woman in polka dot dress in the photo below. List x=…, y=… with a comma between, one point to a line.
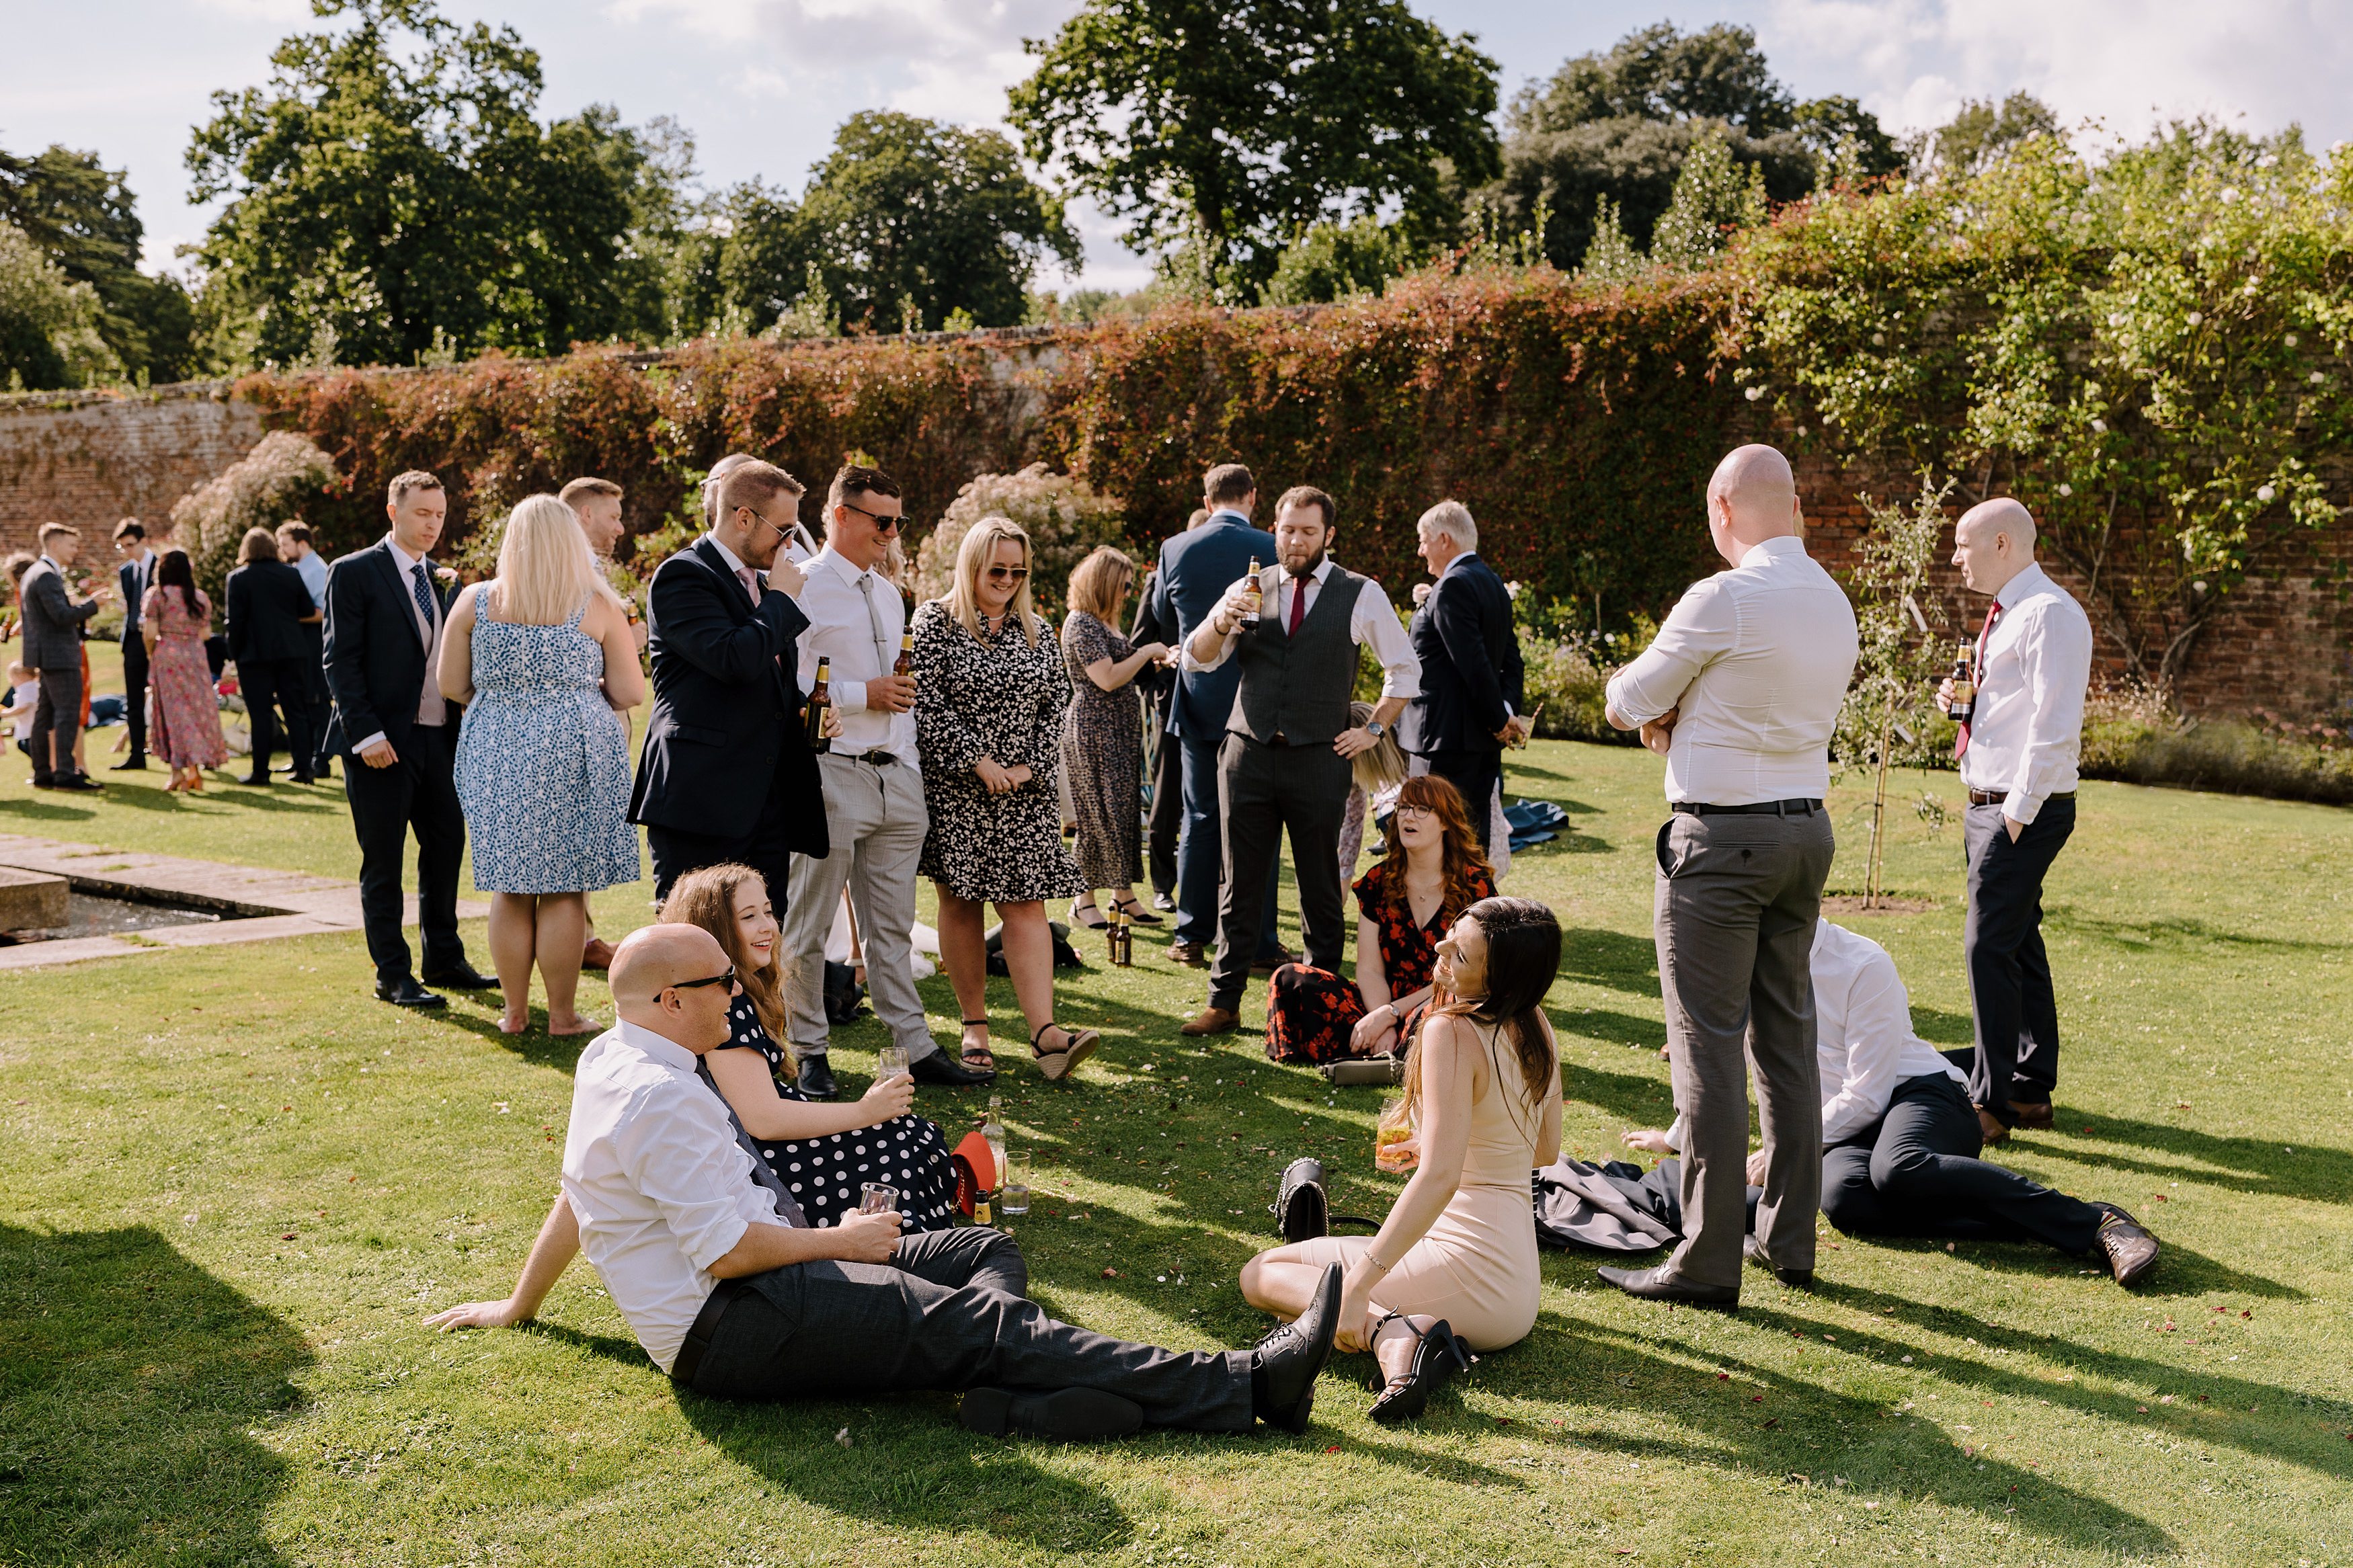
x=824, y=1152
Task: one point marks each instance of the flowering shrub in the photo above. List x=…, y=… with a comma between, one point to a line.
x=1065, y=518
x=2132, y=733
x=284, y=474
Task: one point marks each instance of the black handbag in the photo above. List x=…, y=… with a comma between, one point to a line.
x=1303, y=1210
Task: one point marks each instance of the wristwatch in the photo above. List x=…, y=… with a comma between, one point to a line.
x=1376, y=728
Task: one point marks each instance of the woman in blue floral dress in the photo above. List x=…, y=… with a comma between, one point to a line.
x=544, y=660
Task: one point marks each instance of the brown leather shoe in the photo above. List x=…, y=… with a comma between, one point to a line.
x=1188, y=953
x=597, y=954
x=1990, y=1129
x=1211, y=1021
x=2032, y=1115
x=2131, y=1250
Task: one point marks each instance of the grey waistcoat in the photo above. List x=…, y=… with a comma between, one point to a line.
x=1299, y=687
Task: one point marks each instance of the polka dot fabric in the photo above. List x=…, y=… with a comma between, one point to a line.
x=827, y=1173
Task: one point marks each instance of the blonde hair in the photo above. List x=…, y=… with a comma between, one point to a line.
x=973, y=558
x=546, y=571
x=1097, y=582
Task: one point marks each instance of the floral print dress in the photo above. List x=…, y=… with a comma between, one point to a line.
x=188, y=731
x=1310, y=1014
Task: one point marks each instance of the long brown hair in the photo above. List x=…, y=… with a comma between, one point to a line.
x=1522, y=958
x=1457, y=847
x=707, y=899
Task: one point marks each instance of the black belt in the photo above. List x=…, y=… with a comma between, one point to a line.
x=874, y=759
x=1759, y=808
x=706, y=1323
x=1995, y=798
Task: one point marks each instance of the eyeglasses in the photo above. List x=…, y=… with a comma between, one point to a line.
x=881, y=524
x=726, y=978
x=1007, y=573
x=780, y=532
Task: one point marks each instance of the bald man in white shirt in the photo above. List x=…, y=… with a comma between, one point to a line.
x=1741, y=690
x=2017, y=760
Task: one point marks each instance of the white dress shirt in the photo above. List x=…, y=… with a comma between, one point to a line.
x=142, y=573
x=855, y=619
x=432, y=708
x=657, y=1179
x=313, y=567
x=2028, y=729
x=1863, y=1041
x=1372, y=621
x=1758, y=658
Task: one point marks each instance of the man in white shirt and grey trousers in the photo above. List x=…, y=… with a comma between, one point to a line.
x=2018, y=759
x=1741, y=688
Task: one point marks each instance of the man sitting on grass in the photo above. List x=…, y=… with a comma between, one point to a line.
x=733, y=1294
x=1900, y=1138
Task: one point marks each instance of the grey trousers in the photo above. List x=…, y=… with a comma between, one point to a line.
x=1262, y=791
x=877, y=820
x=947, y=1313
x=1738, y=899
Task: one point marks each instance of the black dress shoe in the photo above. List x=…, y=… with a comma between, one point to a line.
x=815, y=1079
x=406, y=993
x=255, y=779
x=1795, y=1278
x=940, y=1069
x=306, y=778
x=1069, y=1414
x=1275, y=961
x=82, y=783
x=1659, y=1285
x=2130, y=1250
x=1287, y=1362
x=135, y=765
x=460, y=977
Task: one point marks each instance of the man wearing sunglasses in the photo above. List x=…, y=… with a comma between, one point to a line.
x=727, y=773
x=734, y=1296
x=875, y=819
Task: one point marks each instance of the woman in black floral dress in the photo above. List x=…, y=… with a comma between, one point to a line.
x=824, y=1153
x=1430, y=872
x=990, y=693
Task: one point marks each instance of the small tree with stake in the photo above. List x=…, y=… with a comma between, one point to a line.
x=1887, y=705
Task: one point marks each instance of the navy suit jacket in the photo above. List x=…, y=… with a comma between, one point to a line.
x=375, y=664
x=1197, y=567
x=1469, y=661
x=726, y=720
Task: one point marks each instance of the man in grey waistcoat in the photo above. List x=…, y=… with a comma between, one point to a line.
x=1741, y=690
x=1285, y=760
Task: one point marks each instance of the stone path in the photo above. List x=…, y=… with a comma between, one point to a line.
x=256, y=905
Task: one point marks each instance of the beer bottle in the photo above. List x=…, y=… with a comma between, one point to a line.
x=1121, y=940
x=1965, y=686
x=820, y=698
x=1249, y=622
x=905, y=663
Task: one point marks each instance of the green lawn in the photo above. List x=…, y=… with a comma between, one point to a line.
x=231, y=1186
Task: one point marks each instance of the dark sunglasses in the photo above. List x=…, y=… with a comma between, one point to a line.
x=1007, y=573
x=780, y=532
x=726, y=978
x=881, y=524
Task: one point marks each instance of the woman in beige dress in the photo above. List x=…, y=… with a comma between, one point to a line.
x=1454, y=1269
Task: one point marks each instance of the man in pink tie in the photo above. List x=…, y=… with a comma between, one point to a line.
x=2018, y=762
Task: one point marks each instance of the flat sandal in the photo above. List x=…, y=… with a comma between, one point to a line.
x=987, y=1062
x=1057, y=1065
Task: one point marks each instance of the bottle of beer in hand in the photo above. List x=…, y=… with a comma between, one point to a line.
x=1249, y=622
x=820, y=698
x=1964, y=709
x=905, y=663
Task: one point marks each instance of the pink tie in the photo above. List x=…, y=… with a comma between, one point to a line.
x=1977, y=674
x=751, y=581
x=1298, y=605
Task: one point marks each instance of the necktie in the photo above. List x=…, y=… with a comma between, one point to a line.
x=1977, y=674
x=750, y=580
x=882, y=657
x=424, y=598
x=1298, y=605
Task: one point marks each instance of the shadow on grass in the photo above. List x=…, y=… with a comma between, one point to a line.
x=608, y=1347
x=2179, y=933
x=131, y=1381
x=2246, y=1166
x=46, y=811
x=1611, y=1029
x=1597, y=955
x=534, y=1044
x=1940, y=1027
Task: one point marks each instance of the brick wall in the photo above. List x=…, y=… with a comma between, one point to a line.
x=92, y=460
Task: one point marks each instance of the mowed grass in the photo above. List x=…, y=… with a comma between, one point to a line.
x=231, y=1186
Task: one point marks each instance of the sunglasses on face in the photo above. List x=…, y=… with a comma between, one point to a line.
x=1007, y=573
x=881, y=524
x=780, y=532
x=726, y=978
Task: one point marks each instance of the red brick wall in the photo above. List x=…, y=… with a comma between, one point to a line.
x=93, y=460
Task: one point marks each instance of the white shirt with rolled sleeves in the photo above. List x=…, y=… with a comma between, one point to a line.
x=859, y=630
x=1863, y=1041
x=1372, y=622
x=2028, y=735
x=660, y=1185
x=1758, y=658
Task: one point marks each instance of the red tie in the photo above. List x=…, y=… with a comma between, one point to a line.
x=1298, y=605
x=1976, y=675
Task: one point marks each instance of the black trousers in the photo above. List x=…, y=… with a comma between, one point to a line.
x=271, y=685
x=947, y=1313
x=415, y=791
x=2002, y=942
x=1264, y=790
x=1168, y=822
x=56, y=719
x=676, y=852
x=1916, y=1171
x=315, y=696
x=1477, y=774
x=134, y=692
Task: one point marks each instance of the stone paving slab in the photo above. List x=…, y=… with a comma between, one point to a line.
x=261, y=904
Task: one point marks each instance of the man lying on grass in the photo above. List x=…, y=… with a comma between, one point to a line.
x=729, y=1291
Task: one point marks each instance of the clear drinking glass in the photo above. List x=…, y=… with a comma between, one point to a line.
x=1015, y=1197
x=875, y=1197
x=890, y=1062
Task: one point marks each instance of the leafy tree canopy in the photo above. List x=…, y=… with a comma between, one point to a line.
x=48, y=322
x=82, y=217
x=1234, y=126
x=1983, y=134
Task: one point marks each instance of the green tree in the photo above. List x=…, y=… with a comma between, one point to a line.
x=82, y=215
x=1236, y=126
x=1982, y=134
x=1715, y=198
x=48, y=321
x=1334, y=260
x=379, y=196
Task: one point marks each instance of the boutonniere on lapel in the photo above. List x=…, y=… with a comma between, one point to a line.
x=447, y=575
x=1420, y=594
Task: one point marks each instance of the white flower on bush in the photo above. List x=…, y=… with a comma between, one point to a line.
x=1064, y=517
x=1879, y=339
x=2265, y=492
x=2230, y=194
x=1755, y=393
x=2065, y=488
x=1513, y=588
x=2290, y=340
x=2194, y=318
x=2115, y=318
x=2317, y=379
x=2099, y=427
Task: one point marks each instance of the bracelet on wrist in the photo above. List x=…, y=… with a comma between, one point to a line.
x=1375, y=1262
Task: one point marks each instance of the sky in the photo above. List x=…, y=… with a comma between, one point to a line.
x=762, y=84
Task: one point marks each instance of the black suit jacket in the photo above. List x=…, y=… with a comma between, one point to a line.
x=128, y=589
x=726, y=720
x=376, y=669
x=1469, y=661
x=267, y=602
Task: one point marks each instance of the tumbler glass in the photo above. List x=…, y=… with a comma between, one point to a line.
x=876, y=1197
x=1015, y=1198
x=890, y=1062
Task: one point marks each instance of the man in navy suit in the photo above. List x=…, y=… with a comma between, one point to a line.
x=727, y=773
x=133, y=578
x=1196, y=569
x=1472, y=691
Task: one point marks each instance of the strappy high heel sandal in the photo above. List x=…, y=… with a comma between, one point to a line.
x=1437, y=1356
x=987, y=1061
x=1078, y=1045
x=1088, y=915
x=1133, y=907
